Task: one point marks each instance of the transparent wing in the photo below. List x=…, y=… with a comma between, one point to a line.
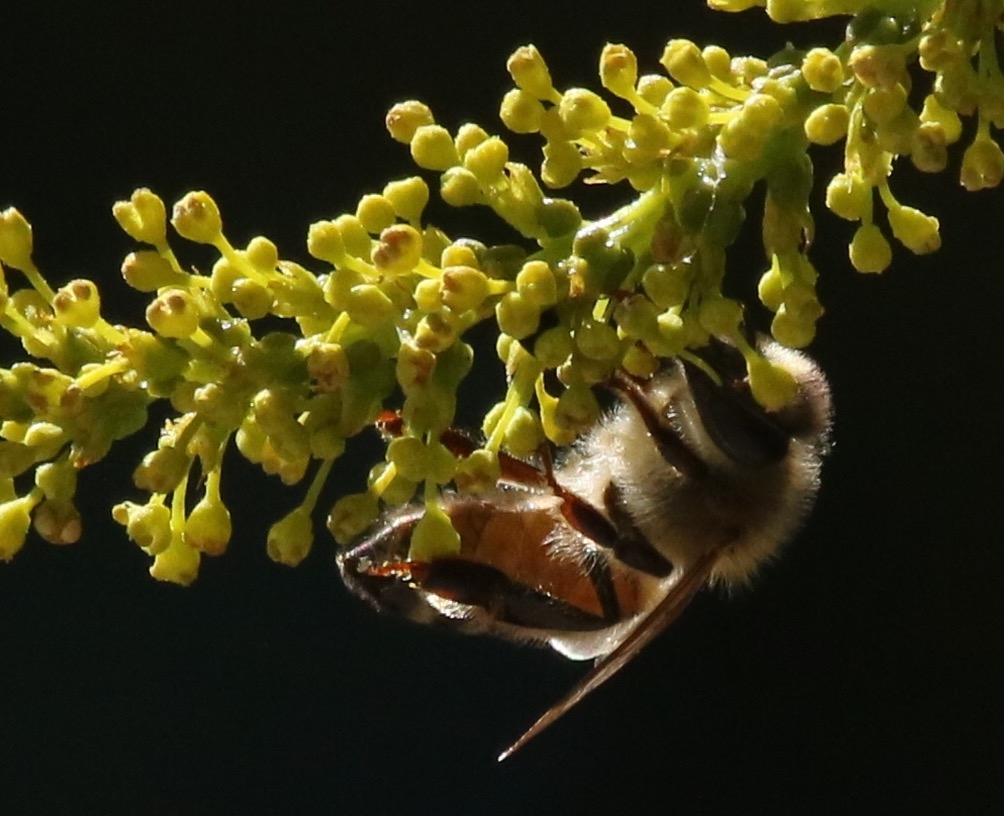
x=665, y=612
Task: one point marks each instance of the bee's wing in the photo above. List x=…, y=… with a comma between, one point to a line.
x=664, y=613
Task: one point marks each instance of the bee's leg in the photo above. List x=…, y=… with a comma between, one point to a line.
x=673, y=449
x=617, y=533
x=504, y=600
x=633, y=547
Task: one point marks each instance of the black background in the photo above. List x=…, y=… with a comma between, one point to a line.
x=862, y=676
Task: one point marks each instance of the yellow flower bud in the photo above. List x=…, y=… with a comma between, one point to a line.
x=822, y=70
x=432, y=148
x=351, y=515
x=478, y=472
x=148, y=271
x=772, y=386
x=375, y=212
x=917, y=231
x=179, y=563
x=77, y=304
x=197, y=218
x=982, y=164
x=869, y=249
x=405, y=118
x=143, y=217
x=15, y=518
x=583, y=111
x=408, y=197
x=827, y=124
x=15, y=240
x=290, y=538
x=433, y=537
x=399, y=250
x=521, y=111
x=618, y=69
x=683, y=61
x=527, y=68
x=173, y=314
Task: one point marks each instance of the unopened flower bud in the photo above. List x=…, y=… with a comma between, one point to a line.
x=143, y=217
x=290, y=538
x=197, y=218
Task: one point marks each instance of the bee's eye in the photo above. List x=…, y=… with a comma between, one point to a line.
x=736, y=423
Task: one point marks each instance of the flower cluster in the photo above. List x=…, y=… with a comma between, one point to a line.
x=380, y=324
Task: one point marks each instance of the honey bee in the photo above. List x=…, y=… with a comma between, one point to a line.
x=686, y=482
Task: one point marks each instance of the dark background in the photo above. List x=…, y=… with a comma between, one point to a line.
x=862, y=676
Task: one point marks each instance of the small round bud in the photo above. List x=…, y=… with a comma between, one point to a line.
x=823, y=70
x=369, y=306
x=535, y=282
x=173, y=314
x=562, y=164
x=58, y=522
x=477, y=473
x=328, y=367
x=848, y=197
x=208, y=526
x=597, y=341
x=405, y=118
x=414, y=367
x=15, y=519
x=15, y=240
x=827, y=124
x=178, y=564
x=57, y=480
x=375, y=213
x=618, y=69
x=577, y=409
x=683, y=61
x=521, y=111
x=524, y=434
x=459, y=187
x=553, y=346
x=583, y=111
x=772, y=386
x=487, y=160
x=324, y=242
x=685, y=108
x=197, y=218
x=869, y=249
x=527, y=68
x=464, y=287
x=517, y=316
x=654, y=88
x=77, y=304
x=917, y=231
x=432, y=148
x=399, y=250
x=982, y=165
x=252, y=300
x=351, y=515
x=720, y=316
x=162, y=470
x=148, y=525
x=433, y=537
x=147, y=271
x=791, y=331
x=143, y=217
x=290, y=538
x=436, y=332
x=408, y=197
